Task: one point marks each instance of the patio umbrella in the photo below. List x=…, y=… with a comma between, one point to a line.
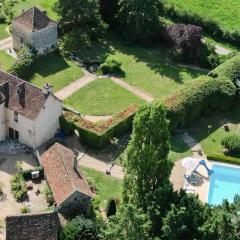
x=189, y=163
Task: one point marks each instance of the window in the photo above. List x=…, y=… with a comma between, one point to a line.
x=15, y=116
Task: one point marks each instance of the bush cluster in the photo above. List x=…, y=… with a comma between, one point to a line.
x=110, y=66
x=231, y=142
x=99, y=135
x=209, y=25
x=18, y=187
x=196, y=97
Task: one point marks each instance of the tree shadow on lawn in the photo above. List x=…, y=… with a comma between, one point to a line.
x=216, y=120
x=157, y=59
x=49, y=64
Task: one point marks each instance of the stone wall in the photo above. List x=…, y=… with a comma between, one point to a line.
x=45, y=40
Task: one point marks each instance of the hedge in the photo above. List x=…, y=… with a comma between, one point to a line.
x=229, y=69
x=198, y=96
x=223, y=158
x=209, y=25
x=98, y=135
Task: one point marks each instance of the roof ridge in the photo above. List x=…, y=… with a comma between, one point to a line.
x=66, y=167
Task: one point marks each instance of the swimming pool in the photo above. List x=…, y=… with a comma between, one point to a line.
x=224, y=184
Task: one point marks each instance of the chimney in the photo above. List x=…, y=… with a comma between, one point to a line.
x=75, y=164
x=47, y=88
x=21, y=92
x=4, y=88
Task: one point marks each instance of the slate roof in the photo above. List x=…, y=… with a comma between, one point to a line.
x=63, y=180
x=43, y=226
x=34, y=19
x=34, y=98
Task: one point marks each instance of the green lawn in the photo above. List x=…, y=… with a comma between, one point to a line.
x=101, y=97
x=46, y=5
x=224, y=12
x=53, y=69
x=6, y=61
x=3, y=32
x=149, y=69
x=107, y=186
x=211, y=140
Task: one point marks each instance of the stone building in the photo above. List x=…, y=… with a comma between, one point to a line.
x=70, y=189
x=34, y=28
x=28, y=114
x=43, y=226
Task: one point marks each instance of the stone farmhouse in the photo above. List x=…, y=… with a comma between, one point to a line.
x=70, y=189
x=34, y=28
x=27, y=113
x=42, y=226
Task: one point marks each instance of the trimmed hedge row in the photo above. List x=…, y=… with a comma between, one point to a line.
x=223, y=158
x=99, y=134
x=210, y=26
x=27, y=174
x=229, y=69
x=197, y=97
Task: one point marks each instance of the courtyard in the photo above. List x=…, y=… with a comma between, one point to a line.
x=10, y=156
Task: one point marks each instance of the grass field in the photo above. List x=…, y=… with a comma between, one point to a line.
x=46, y=5
x=107, y=186
x=211, y=140
x=224, y=12
x=53, y=69
x=3, y=32
x=6, y=61
x=101, y=97
x=149, y=69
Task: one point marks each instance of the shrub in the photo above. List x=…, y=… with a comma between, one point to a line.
x=24, y=210
x=111, y=66
x=18, y=187
x=204, y=92
x=80, y=228
x=49, y=196
x=231, y=142
x=111, y=207
x=223, y=158
x=23, y=63
x=99, y=135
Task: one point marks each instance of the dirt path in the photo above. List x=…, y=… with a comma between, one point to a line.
x=95, y=119
x=75, y=86
x=6, y=43
x=145, y=96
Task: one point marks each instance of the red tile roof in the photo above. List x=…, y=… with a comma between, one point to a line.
x=34, y=98
x=63, y=180
x=34, y=19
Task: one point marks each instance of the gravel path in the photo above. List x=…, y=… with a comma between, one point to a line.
x=145, y=96
x=6, y=43
x=95, y=119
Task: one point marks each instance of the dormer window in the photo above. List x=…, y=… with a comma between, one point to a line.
x=15, y=116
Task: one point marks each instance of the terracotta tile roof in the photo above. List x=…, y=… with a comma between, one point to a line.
x=63, y=180
x=33, y=97
x=34, y=19
x=44, y=226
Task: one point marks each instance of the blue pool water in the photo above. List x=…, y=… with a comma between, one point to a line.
x=224, y=184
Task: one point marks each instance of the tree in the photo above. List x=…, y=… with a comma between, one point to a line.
x=147, y=166
x=80, y=23
x=139, y=20
x=109, y=10
x=130, y=223
x=184, y=219
x=80, y=228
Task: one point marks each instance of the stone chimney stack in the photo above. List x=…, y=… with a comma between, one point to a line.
x=75, y=164
x=47, y=88
x=21, y=92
